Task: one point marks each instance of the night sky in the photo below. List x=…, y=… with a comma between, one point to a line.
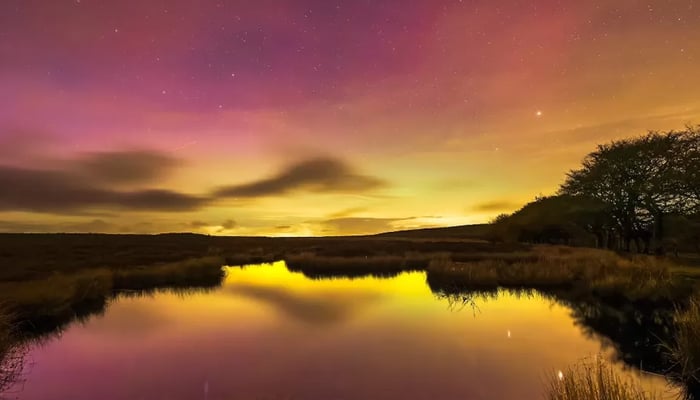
x=321, y=117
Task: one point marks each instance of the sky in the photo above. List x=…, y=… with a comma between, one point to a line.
x=321, y=117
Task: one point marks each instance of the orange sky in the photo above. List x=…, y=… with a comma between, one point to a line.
x=321, y=117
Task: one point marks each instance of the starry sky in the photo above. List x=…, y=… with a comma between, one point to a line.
x=321, y=117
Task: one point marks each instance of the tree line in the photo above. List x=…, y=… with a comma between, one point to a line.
x=639, y=194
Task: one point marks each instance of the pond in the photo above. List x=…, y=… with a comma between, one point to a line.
x=268, y=333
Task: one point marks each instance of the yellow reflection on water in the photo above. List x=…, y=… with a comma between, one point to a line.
x=277, y=274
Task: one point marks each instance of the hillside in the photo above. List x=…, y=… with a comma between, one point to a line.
x=476, y=231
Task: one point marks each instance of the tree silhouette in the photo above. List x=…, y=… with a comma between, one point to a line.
x=643, y=181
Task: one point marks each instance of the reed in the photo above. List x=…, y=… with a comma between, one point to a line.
x=684, y=351
x=594, y=380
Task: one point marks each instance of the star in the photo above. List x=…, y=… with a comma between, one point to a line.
x=538, y=113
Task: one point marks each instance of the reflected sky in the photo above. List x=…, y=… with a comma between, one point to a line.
x=271, y=334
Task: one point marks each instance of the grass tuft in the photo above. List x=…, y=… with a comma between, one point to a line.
x=684, y=352
x=594, y=380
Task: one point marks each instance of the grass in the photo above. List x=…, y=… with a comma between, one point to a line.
x=601, y=273
x=684, y=352
x=41, y=305
x=203, y=271
x=594, y=380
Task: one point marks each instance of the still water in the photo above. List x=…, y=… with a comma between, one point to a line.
x=268, y=333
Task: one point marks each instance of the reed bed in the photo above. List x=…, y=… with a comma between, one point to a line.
x=602, y=273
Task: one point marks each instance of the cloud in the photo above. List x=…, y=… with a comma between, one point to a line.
x=57, y=191
x=317, y=175
x=228, y=224
x=198, y=224
x=498, y=205
x=125, y=166
x=94, y=183
x=347, y=212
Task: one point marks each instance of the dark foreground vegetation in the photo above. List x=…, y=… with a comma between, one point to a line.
x=640, y=194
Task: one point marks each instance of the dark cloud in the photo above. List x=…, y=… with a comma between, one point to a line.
x=197, y=224
x=317, y=175
x=497, y=205
x=93, y=183
x=126, y=166
x=283, y=227
x=229, y=224
x=63, y=191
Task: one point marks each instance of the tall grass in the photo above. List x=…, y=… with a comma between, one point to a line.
x=594, y=380
x=685, y=349
x=599, y=272
x=41, y=305
x=203, y=271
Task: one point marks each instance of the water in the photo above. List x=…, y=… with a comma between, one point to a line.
x=268, y=333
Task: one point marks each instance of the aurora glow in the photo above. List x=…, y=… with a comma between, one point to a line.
x=315, y=117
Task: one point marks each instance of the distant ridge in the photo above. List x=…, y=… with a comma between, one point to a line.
x=476, y=231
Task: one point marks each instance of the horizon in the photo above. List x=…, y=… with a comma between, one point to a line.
x=321, y=118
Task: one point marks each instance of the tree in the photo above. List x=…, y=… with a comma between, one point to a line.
x=572, y=220
x=642, y=181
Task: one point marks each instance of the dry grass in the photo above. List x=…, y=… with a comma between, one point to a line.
x=203, y=271
x=685, y=350
x=594, y=380
x=42, y=304
x=598, y=271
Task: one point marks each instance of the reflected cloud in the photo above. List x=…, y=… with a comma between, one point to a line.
x=322, y=308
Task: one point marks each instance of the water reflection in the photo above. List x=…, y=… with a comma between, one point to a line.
x=270, y=333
